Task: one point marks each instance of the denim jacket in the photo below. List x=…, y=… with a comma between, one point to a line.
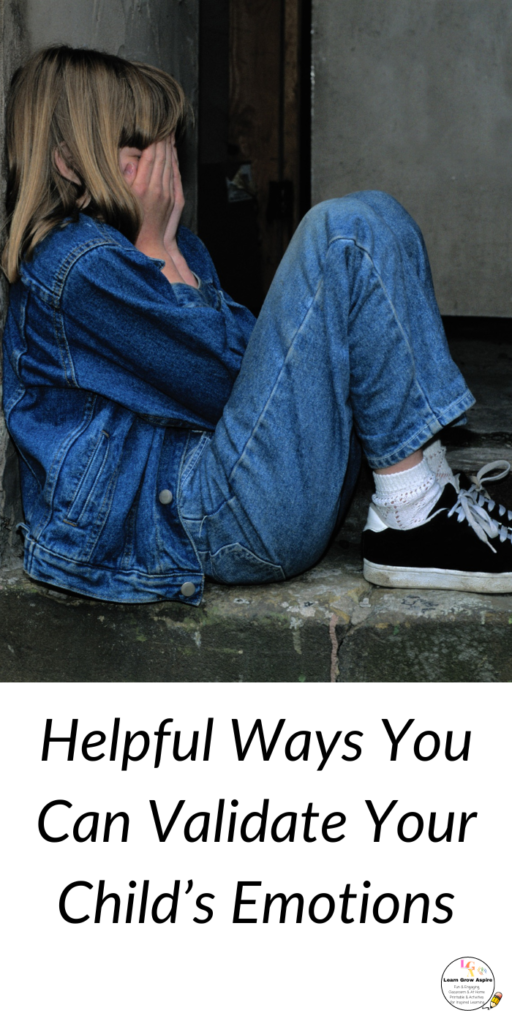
x=112, y=379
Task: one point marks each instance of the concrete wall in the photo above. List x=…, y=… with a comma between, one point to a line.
x=161, y=32
x=416, y=98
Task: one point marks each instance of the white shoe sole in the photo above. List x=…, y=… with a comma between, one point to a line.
x=437, y=579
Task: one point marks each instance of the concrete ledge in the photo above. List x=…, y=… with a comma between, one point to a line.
x=327, y=625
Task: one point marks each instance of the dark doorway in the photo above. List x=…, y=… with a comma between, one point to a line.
x=254, y=136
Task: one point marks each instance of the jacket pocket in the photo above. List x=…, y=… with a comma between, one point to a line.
x=194, y=450
x=89, y=479
x=236, y=564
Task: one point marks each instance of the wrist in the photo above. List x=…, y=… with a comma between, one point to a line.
x=158, y=252
x=181, y=264
x=151, y=244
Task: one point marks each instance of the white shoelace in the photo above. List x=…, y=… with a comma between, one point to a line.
x=480, y=521
x=470, y=505
x=478, y=493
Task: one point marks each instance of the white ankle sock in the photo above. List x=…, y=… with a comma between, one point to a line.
x=406, y=499
x=435, y=456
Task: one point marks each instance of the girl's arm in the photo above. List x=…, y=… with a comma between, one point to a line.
x=156, y=348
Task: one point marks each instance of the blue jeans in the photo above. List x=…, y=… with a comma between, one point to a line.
x=349, y=350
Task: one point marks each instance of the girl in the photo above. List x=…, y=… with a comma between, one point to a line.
x=164, y=434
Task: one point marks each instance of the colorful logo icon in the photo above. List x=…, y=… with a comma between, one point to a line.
x=468, y=984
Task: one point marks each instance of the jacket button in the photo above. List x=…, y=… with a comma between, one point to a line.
x=188, y=589
x=165, y=497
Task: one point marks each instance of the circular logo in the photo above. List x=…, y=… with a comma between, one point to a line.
x=467, y=983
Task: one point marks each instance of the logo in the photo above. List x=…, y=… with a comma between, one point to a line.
x=468, y=984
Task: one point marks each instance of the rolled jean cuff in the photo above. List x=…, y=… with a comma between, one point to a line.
x=452, y=413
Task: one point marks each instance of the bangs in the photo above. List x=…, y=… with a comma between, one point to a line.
x=154, y=107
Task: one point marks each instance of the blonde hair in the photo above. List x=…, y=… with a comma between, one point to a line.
x=87, y=104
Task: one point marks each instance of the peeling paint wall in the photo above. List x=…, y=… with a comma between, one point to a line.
x=161, y=32
x=416, y=98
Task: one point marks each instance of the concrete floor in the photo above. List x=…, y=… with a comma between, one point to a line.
x=328, y=624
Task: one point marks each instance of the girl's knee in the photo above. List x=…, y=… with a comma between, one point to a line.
x=371, y=206
x=332, y=212
x=372, y=220
x=393, y=213
x=353, y=216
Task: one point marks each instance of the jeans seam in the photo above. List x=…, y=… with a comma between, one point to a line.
x=353, y=241
x=277, y=380
x=438, y=426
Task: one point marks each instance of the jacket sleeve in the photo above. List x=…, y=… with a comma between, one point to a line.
x=159, y=349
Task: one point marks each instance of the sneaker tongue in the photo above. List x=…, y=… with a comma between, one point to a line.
x=465, y=481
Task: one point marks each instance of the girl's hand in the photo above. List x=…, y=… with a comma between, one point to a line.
x=153, y=176
x=170, y=240
x=150, y=180
x=179, y=202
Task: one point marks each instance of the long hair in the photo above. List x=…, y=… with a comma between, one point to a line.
x=87, y=105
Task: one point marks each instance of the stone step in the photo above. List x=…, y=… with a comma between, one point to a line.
x=326, y=625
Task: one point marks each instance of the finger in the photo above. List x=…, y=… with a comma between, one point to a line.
x=178, y=185
x=168, y=171
x=158, y=166
x=146, y=165
x=162, y=179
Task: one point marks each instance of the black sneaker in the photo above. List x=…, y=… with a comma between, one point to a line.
x=459, y=547
x=473, y=486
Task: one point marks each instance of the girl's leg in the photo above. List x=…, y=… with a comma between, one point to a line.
x=349, y=334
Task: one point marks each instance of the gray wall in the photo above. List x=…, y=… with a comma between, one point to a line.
x=415, y=97
x=161, y=32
